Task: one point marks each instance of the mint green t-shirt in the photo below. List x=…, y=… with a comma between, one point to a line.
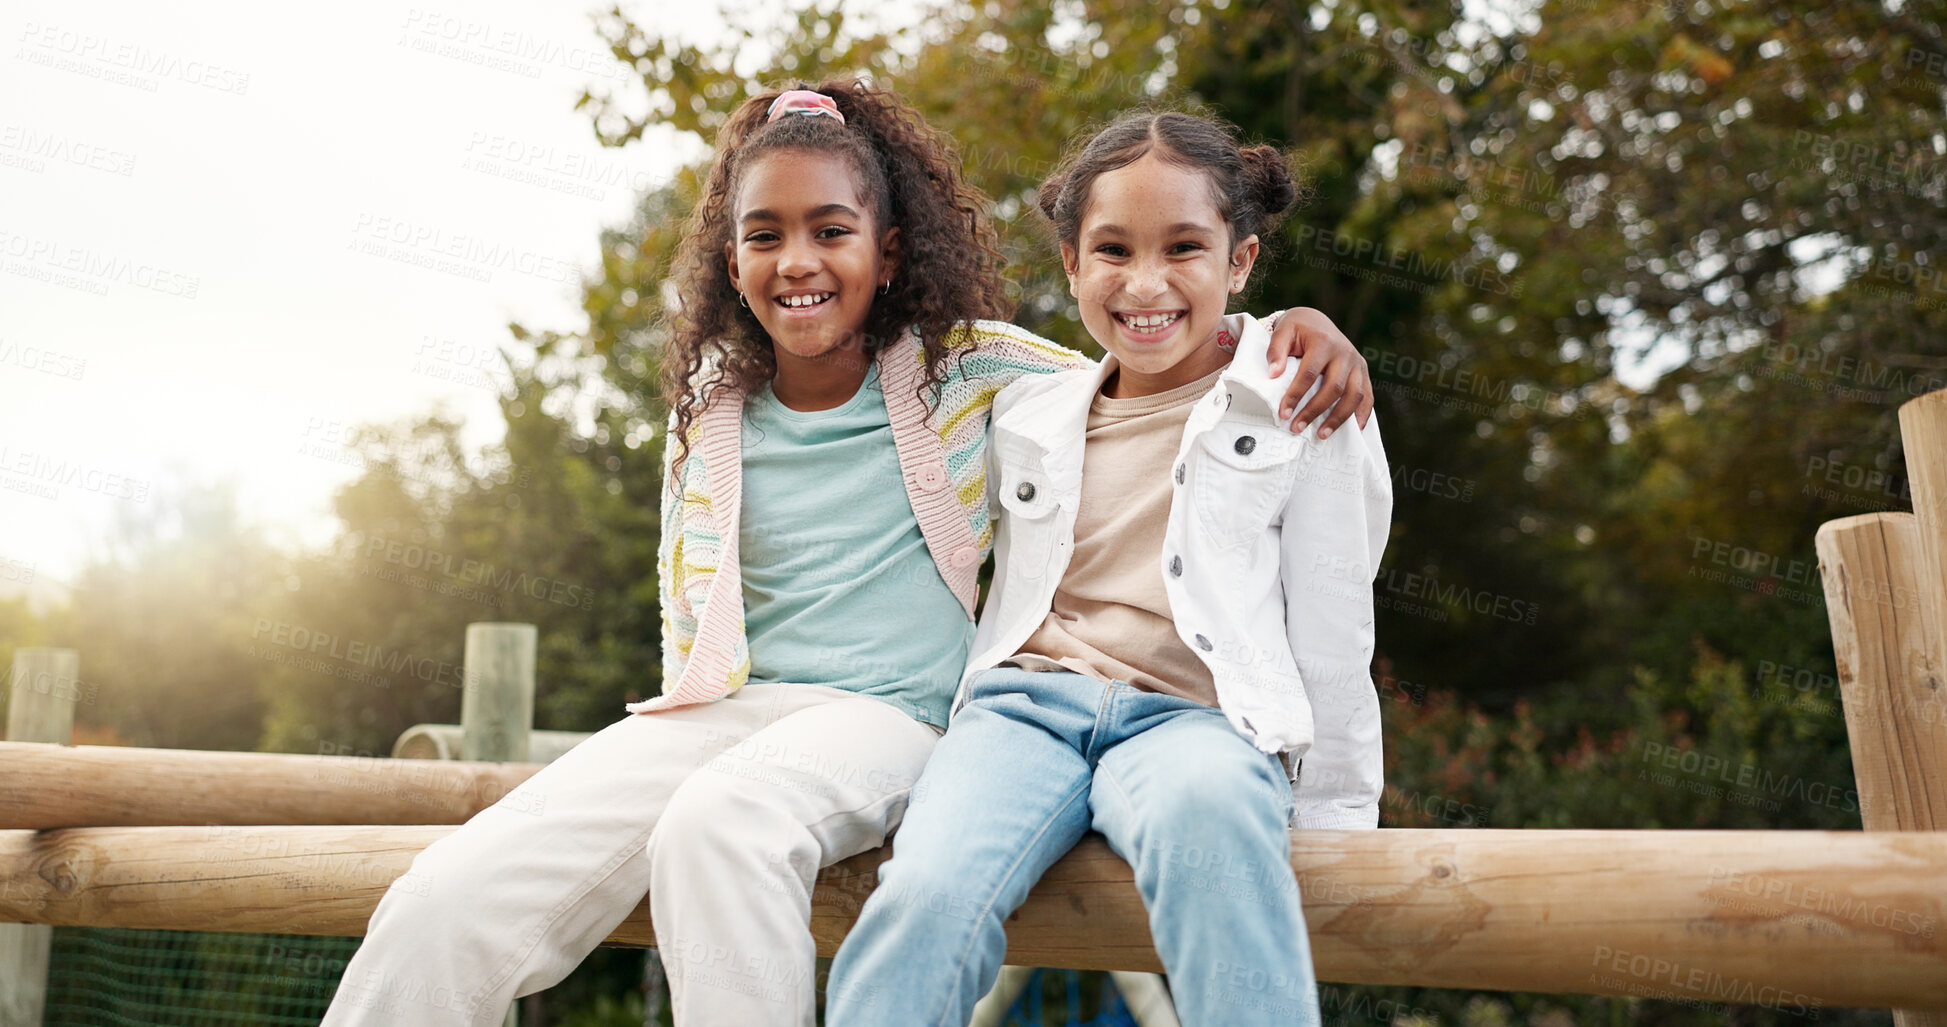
x=839, y=587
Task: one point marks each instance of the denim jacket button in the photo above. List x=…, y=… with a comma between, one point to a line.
x=1245, y=444
x=1204, y=644
x=1026, y=492
x=1179, y=474
x=1176, y=566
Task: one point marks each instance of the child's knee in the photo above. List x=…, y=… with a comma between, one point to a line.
x=711, y=818
x=941, y=886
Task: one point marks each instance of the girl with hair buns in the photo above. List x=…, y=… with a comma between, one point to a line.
x=1175, y=652
x=824, y=516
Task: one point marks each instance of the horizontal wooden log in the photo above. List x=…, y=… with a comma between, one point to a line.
x=49, y=786
x=1790, y=919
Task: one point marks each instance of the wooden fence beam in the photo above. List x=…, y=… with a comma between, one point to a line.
x=49, y=786
x=1789, y=919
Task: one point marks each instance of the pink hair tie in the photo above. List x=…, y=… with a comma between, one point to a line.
x=805, y=102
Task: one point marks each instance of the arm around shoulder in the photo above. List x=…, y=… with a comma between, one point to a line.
x=1010, y=350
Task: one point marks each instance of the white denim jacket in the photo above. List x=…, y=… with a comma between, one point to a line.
x=1268, y=561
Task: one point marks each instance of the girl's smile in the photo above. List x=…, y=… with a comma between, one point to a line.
x=1152, y=270
x=1146, y=327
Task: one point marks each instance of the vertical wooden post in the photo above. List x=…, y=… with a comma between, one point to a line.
x=1886, y=595
x=497, y=708
x=1889, y=677
x=1923, y=427
x=40, y=708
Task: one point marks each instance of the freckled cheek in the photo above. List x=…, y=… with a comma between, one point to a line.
x=1096, y=288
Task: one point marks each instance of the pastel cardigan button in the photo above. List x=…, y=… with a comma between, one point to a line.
x=931, y=478
x=963, y=557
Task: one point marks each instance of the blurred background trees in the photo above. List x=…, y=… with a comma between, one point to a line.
x=1642, y=285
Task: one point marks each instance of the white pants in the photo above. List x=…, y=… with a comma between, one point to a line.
x=721, y=813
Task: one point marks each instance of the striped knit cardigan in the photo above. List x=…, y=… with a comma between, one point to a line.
x=942, y=456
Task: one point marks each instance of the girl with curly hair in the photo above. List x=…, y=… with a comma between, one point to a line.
x=834, y=353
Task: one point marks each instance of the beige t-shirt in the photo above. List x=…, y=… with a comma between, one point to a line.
x=1111, y=618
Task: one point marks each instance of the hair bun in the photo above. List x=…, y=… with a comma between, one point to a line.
x=1048, y=198
x=1269, y=177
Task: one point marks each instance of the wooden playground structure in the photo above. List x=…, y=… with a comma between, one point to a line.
x=272, y=843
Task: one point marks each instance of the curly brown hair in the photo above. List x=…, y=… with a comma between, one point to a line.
x=909, y=173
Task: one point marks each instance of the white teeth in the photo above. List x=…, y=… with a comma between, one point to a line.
x=804, y=301
x=1149, y=322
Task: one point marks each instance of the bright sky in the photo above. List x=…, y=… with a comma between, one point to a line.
x=231, y=232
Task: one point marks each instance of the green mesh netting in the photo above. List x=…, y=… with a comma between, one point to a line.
x=123, y=978
x=115, y=977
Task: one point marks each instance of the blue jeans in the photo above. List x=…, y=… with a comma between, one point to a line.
x=1030, y=764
